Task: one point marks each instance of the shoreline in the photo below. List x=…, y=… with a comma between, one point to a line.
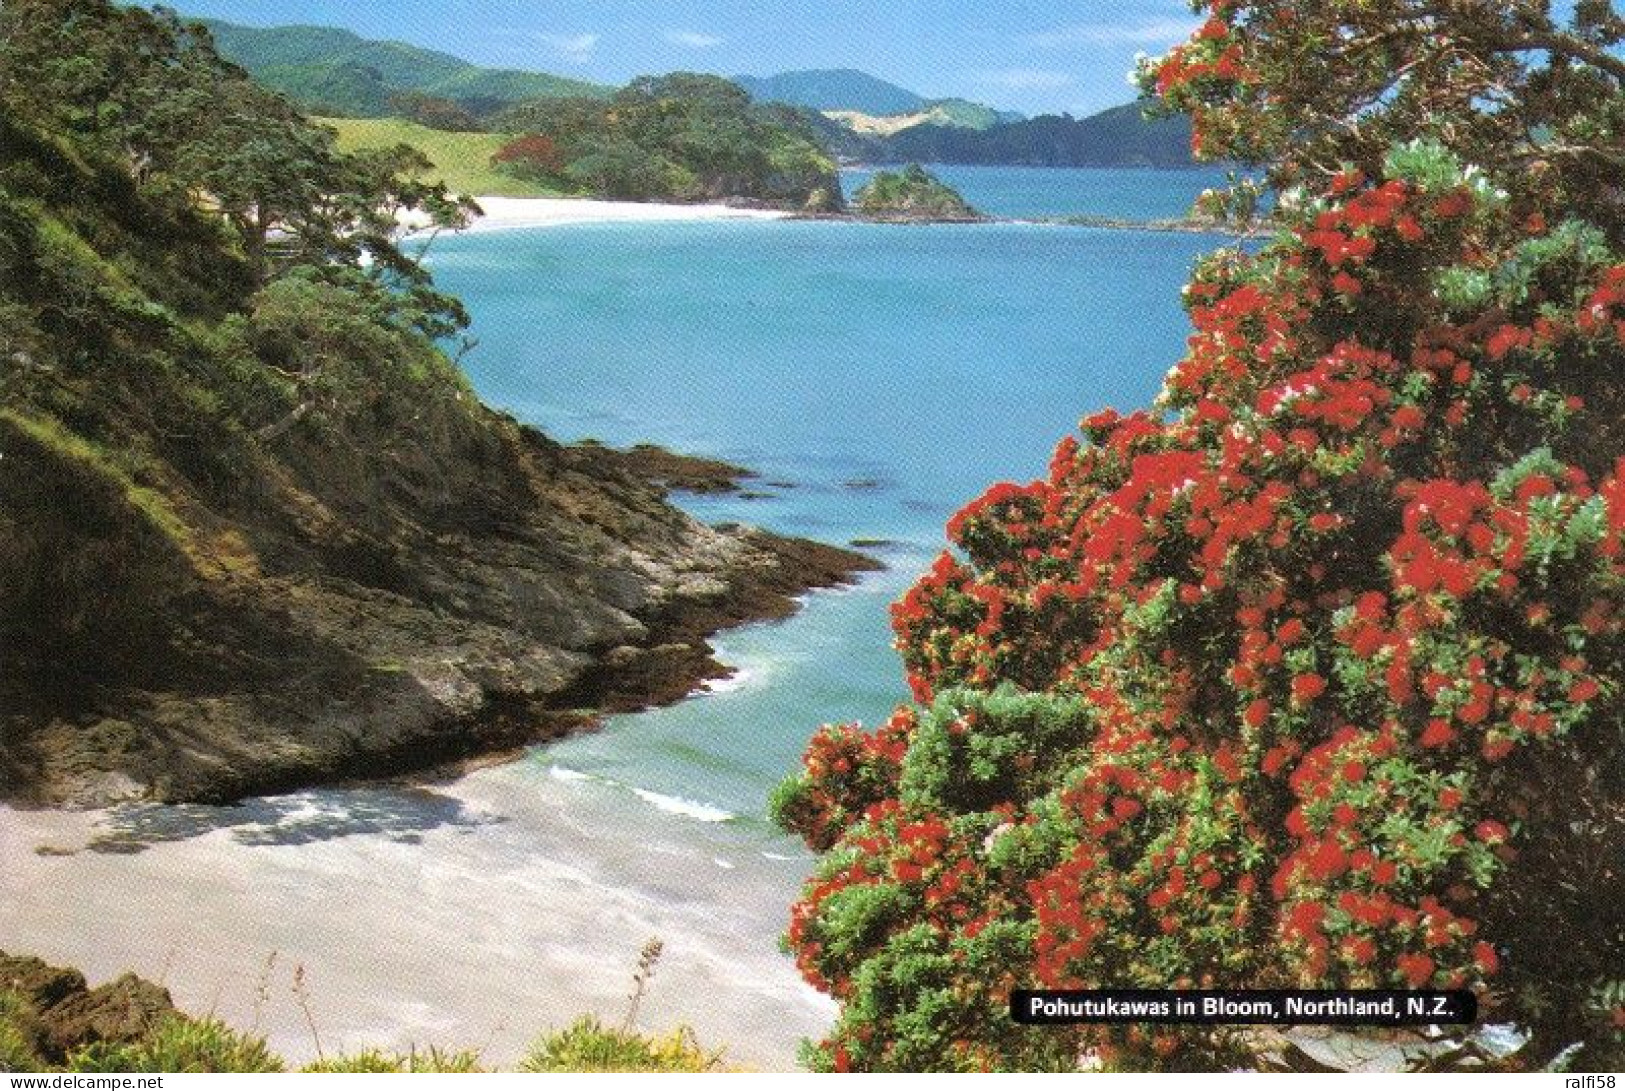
x=513, y=213
x=404, y=964
x=517, y=213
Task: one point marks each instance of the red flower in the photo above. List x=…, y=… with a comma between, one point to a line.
x=1306, y=687
x=1306, y=917
x=1438, y=733
x=1417, y=969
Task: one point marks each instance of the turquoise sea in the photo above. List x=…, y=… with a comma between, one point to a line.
x=877, y=377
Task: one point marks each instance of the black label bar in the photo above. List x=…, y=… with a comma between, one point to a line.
x=1278, y=1007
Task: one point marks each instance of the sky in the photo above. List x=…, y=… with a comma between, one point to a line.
x=1026, y=55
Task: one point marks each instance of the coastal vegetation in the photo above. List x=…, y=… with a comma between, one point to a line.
x=1118, y=137
x=463, y=162
x=912, y=194
x=51, y=1021
x=680, y=137
x=676, y=138
x=1312, y=674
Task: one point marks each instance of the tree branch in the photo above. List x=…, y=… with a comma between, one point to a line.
x=1568, y=46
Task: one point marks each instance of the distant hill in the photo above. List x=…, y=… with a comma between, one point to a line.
x=835, y=89
x=1118, y=137
x=867, y=105
x=337, y=72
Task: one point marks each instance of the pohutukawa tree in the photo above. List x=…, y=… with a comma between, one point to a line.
x=1310, y=676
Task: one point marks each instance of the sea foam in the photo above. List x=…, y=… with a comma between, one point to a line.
x=688, y=808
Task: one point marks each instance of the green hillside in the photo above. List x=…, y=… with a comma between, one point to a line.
x=965, y=114
x=462, y=161
x=331, y=71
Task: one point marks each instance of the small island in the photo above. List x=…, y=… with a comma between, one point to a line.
x=912, y=195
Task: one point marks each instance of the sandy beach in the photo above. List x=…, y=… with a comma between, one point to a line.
x=474, y=914
x=507, y=213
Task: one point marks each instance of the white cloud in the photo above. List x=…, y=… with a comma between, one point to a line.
x=576, y=47
x=1160, y=30
x=1026, y=79
x=693, y=39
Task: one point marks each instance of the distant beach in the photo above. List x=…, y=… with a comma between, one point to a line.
x=507, y=213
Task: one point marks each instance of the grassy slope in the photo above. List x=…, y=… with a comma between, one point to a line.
x=461, y=160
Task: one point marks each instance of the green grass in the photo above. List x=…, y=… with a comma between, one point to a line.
x=589, y=1046
x=377, y=1060
x=49, y=433
x=461, y=160
x=179, y=1044
x=16, y=1040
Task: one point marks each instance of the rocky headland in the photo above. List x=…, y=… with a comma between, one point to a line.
x=365, y=616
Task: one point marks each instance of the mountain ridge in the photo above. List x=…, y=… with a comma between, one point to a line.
x=337, y=71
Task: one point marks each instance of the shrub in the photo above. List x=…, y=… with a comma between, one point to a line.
x=533, y=157
x=180, y=1044
x=376, y=1060
x=17, y=1035
x=589, y=1046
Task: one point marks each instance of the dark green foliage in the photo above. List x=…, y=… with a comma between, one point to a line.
x=913, y=193
x=18, y=1033
x=188, y=273
x=433, y=112
x=683, y=137
x=974, y=751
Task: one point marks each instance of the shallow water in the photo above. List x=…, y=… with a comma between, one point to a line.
x=877, y=377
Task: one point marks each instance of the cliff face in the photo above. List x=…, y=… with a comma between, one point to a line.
x=255, y=538
x=361, y=614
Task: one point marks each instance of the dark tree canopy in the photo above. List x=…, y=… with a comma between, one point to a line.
x=150, y=90
x=683, y=137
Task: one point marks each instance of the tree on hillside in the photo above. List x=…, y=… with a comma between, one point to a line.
x=434, y=112
x=152, y=90
x=1312, y=676
x=533, y=157
x=685, y=137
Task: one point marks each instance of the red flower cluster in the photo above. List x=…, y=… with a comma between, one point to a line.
x=1331, y=616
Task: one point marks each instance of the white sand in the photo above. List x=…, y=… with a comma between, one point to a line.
x=474, y=914
x=504, y=213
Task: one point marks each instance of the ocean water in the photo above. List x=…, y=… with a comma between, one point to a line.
x=877, y=377
x=1042, y=193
